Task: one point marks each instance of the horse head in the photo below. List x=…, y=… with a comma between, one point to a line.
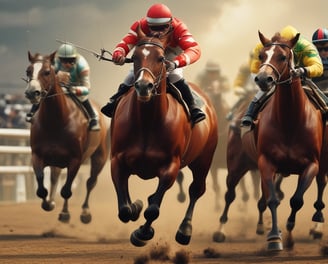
x=40, y=74
x=277, y=60
x=149, y=65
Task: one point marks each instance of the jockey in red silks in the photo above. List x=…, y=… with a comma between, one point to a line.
x=181, y=51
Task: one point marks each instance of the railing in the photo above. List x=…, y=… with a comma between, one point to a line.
x=16, y=173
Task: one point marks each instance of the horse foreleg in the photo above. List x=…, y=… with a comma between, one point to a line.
x=256, y=180
x=66, y=191
x=317, y=231
x=181, y=194
x=297, y=201
x=126, y=210
x=145, y=233
x=54, y=177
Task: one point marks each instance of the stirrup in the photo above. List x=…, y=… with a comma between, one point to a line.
x=94, y=125
x=108, y=109
x=28, y=117
x=246, y=121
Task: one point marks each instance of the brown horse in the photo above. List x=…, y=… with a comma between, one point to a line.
x=230, y=142
x=238, y=164
x=288, y=135
x=151, y=136
x=60, y=137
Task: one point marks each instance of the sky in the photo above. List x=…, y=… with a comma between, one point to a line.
x=225, y=29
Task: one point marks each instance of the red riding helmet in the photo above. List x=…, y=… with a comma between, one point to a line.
x=159, y=14
x=320, y=35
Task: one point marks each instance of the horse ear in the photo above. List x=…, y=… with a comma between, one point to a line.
x=30, y=57
x=263, y=39
x=294, y=40
x=140, y=33
x=52, y=57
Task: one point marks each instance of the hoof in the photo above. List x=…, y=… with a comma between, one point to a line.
x=260, y=229
x=140, y=236
x=275, y=245
x=64, y=217
x=85, y=218
x=125, y=214
x=48, y=206
x=315, y=234
x=219, y=237
x=182, y=238
x=136, y=208
x=181, y=197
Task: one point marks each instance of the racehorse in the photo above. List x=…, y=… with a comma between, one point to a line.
x=238, y=164
x=60, y=137
x=151, y=136
x=227, y=144
x=288, y=135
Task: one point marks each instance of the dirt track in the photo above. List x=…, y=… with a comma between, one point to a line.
x=30, y=235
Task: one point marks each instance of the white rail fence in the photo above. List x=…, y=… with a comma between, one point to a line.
x=16, y=173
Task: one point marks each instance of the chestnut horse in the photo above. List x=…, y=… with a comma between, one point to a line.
x=60, y=137
x=152, y=136
x=288, y=135
x=238, y=164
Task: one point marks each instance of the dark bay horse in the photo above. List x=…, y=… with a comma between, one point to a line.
x=289, y=135
x=151, y=136
x=60, y=137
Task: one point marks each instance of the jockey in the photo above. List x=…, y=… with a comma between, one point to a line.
x=73, y=72
x=320, y=40
x=307, y=62
x=181, y=51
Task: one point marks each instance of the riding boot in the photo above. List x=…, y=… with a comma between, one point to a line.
x=108, y=109
x=251, y=113
x=322, y=99
x=196, y=113
x=93, y=117
x=29, y=115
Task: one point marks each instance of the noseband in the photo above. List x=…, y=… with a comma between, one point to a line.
x=287, y=66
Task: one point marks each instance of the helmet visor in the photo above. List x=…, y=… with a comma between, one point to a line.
x=159, y=28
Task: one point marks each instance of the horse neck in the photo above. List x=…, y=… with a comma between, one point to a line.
x=156, y=109
x=54, y=108
x=289, y=102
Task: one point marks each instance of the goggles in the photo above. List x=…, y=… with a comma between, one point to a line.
x=159, y=28
x=67, y=60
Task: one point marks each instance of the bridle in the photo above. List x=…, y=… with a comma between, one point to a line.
x=286, y=67
x=157, y=79
x=44, y=93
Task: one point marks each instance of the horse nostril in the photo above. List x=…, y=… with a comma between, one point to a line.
x=37, y=93
x=256, y=79
x=150, y=85
x=270, y=79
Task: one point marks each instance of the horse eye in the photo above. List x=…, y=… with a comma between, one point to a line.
x=161, y=59
x=46, y=73
x=283, y=58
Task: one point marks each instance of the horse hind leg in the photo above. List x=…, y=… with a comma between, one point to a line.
x=97, y=164
x=317, y=231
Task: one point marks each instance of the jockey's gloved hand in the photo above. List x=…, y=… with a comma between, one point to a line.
x=299, y=72
x=170, y=65
x=118, y=57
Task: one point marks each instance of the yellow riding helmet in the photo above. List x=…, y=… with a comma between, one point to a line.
x=288, y=32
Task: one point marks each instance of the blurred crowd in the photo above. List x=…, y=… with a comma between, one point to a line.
x=13, y=109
